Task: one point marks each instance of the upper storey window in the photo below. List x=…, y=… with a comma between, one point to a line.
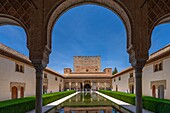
x=45, y=75
x=158, y=66
x=131, y=75
x=19, y=68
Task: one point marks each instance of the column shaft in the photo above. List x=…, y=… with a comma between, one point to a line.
x=138, y=75
x=39, y=76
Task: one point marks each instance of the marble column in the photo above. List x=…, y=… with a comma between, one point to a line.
x=98, y=86
x=69, y=85
x=83, y=85
x=105, y=85
x=138, y=76
x=91, y=86
x=39, y=89
x=76, y=86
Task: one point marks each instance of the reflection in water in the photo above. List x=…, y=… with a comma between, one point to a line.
x=85, y=103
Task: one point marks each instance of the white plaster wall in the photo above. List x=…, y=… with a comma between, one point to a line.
x=8, y=74
x=122, y=84
x=53, y=85
x=149, y=75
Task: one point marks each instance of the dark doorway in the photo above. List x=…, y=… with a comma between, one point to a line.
x=87, y=87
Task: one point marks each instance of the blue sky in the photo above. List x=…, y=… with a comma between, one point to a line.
x=87, y=30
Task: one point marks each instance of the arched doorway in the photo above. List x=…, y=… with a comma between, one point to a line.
x=14, y=92
x=153, y=91
x=73, y=86
x=22, y=92
x=161, y=91
x=66, y=86
x=87, y=87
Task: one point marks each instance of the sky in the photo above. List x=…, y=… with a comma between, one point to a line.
x=86, y=30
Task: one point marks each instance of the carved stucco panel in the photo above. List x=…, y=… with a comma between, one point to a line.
x=18, y=85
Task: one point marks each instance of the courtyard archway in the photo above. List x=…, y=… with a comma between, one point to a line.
x=87, y=87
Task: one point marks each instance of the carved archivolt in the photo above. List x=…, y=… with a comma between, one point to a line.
x=18, y=85
x=158, y=83
x=115, y=6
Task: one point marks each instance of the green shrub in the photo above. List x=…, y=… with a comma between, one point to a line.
x=48, y=98
x=156, y=105
x=150, y=103
x=23, y=105
x=126, y=97
x=17, y=105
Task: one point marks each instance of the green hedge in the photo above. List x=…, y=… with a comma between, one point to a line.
x=156, y=105
x=48, y=98
x=129, y=98
x=23, y=105
x=150, y=103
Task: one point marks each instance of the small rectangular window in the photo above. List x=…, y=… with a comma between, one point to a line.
x=56, y=78
x=157, y=67
x=45, y=75
x=19, y=68
x=131, y=75
x=119, y=78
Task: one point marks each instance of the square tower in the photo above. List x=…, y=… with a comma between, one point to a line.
x=87, y=63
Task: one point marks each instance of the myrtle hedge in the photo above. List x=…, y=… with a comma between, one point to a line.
x=150, y=103
x=23, y=105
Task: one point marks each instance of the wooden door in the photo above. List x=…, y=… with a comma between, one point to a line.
x=22, y=92
x=14, y=92
x=153, y=91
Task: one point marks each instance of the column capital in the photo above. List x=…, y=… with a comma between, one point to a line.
x=137, y=58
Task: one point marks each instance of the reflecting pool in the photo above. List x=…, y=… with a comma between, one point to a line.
x=87, y=103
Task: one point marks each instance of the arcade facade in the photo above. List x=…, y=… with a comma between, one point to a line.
x=83, y=84
x=87, y=75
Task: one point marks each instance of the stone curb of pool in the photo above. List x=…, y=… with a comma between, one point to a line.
x=123, y=104
x=53, y=104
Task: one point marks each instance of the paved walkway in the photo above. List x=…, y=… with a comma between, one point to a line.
x=55, y=103
x=123, y=104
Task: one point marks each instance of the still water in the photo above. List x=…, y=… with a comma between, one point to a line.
x=86, y=103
